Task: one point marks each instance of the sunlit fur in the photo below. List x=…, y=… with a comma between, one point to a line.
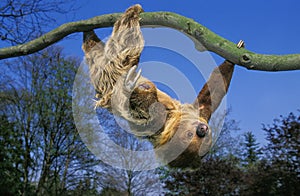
x=107, y=62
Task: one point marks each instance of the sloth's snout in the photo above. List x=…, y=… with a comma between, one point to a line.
x=202, y=130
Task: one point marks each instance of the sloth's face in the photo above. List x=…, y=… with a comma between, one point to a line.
x=192, y=137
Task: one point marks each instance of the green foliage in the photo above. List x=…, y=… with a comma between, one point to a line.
x=283, y=153
x=284, y=139
x=10, y=150
x=252, y=150
x=214, y=177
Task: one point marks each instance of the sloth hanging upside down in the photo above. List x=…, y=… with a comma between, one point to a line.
x=179, y=132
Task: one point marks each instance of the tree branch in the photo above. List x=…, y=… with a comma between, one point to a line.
x=198, y=33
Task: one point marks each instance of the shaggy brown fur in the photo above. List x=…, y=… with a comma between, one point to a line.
x=111, y=60
x=172, y=127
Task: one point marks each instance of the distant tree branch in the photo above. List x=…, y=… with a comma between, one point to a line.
x=198, y=33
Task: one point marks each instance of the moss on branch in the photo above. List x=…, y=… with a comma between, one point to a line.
x=198, y=33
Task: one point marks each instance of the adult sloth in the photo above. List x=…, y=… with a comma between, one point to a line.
x=179, y=132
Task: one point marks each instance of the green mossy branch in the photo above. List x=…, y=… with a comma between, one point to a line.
x=198, y=33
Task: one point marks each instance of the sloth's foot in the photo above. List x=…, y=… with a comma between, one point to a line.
x=131, y=78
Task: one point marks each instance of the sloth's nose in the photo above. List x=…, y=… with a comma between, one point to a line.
x=202, y=130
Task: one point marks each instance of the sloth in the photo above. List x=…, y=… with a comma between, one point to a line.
x=179, y=132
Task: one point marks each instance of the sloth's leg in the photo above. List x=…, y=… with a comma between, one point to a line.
x=124, y=47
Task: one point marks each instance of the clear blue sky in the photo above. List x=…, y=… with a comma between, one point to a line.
x=268, y=27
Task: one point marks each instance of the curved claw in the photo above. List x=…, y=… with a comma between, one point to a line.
x=131, y=78
x=241, y=44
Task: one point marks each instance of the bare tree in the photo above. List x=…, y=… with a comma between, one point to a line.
x=129, y=177
x=22, y=20
x=39, y=104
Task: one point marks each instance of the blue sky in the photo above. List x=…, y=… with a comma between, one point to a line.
x=268, y=27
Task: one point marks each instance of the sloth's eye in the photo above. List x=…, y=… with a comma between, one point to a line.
x=190, y=134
